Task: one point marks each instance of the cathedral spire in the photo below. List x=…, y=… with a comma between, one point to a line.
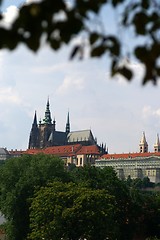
x=47, y=118
x=35, y=119
x=68, y=124
x=34, y=134
x=143, y=144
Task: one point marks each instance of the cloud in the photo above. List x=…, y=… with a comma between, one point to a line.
x=70, y=84
x=9, y=16
x=8, y=95
x=148, y=111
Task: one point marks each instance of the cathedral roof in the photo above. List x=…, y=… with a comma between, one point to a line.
x=79, y=136
x=59, y=138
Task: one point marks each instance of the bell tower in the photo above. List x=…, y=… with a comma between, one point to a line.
x=143, y=146
x=157, y=144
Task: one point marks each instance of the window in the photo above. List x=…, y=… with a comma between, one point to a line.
x=80, y=161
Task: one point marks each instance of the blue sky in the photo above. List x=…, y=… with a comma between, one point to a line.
x=116, y=111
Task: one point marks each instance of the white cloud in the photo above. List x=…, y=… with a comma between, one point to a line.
x=71, y=84
x=9, y=16
x=8, y=95
x=157, y=112
x=148, y=111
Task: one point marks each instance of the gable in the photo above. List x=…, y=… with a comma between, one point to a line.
x=80, y=136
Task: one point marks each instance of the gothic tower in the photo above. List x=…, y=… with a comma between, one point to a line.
x=34, y=134
x=143, y=146
x=68, y=125
x=45, y=128
x=157, y=144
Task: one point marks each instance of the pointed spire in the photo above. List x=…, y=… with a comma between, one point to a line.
x=68, y=124
x=34, y=134
x=157, y=140
x=143, y=139
x=47, y=118
x=35, y=119
x=157, y=144
x=143, y=144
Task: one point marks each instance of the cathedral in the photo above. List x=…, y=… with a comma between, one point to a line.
x=44, y=134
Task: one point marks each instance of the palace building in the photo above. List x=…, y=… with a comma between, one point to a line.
x=136, y=165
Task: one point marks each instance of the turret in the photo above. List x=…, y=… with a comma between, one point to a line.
x=143, y=146
x=157, y=144
x=54, y=125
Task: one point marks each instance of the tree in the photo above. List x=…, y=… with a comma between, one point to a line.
x=106, y=178
x=19, y=177
x=59, y=23
x=69, y=211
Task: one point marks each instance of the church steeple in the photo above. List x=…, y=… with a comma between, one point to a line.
x=68, y=124
x=47, y=118
x=34, y=134
x=35, y=120
x=143, y=146
x=157, y=144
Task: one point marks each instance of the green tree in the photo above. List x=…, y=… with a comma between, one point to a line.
x=69, y=211
x=19, y=177
x=54, y=20
x=106, y=178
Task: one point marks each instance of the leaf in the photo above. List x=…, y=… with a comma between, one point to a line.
x=145, y=4
x=126, y=72
x=115, y=48
x=116, y=2
x=93, y=37
x=141, y=53
x=75, y=50
x=140, y=20
x=55, y=44
x=98, y=51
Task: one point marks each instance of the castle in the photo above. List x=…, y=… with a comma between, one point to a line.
x=44, y=134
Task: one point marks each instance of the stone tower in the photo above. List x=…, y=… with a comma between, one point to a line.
x=157, y=144
x=143, y=146
x=46, y=127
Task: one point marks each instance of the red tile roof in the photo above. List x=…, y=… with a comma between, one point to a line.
x=93, y=149
x=63, y=150
x=66, y=150
x=16, y=152
x=33, y=151
x=129, y=155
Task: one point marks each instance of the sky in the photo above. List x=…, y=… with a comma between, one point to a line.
x=116, y=111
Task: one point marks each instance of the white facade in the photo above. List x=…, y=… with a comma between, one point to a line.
x=138, y=167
